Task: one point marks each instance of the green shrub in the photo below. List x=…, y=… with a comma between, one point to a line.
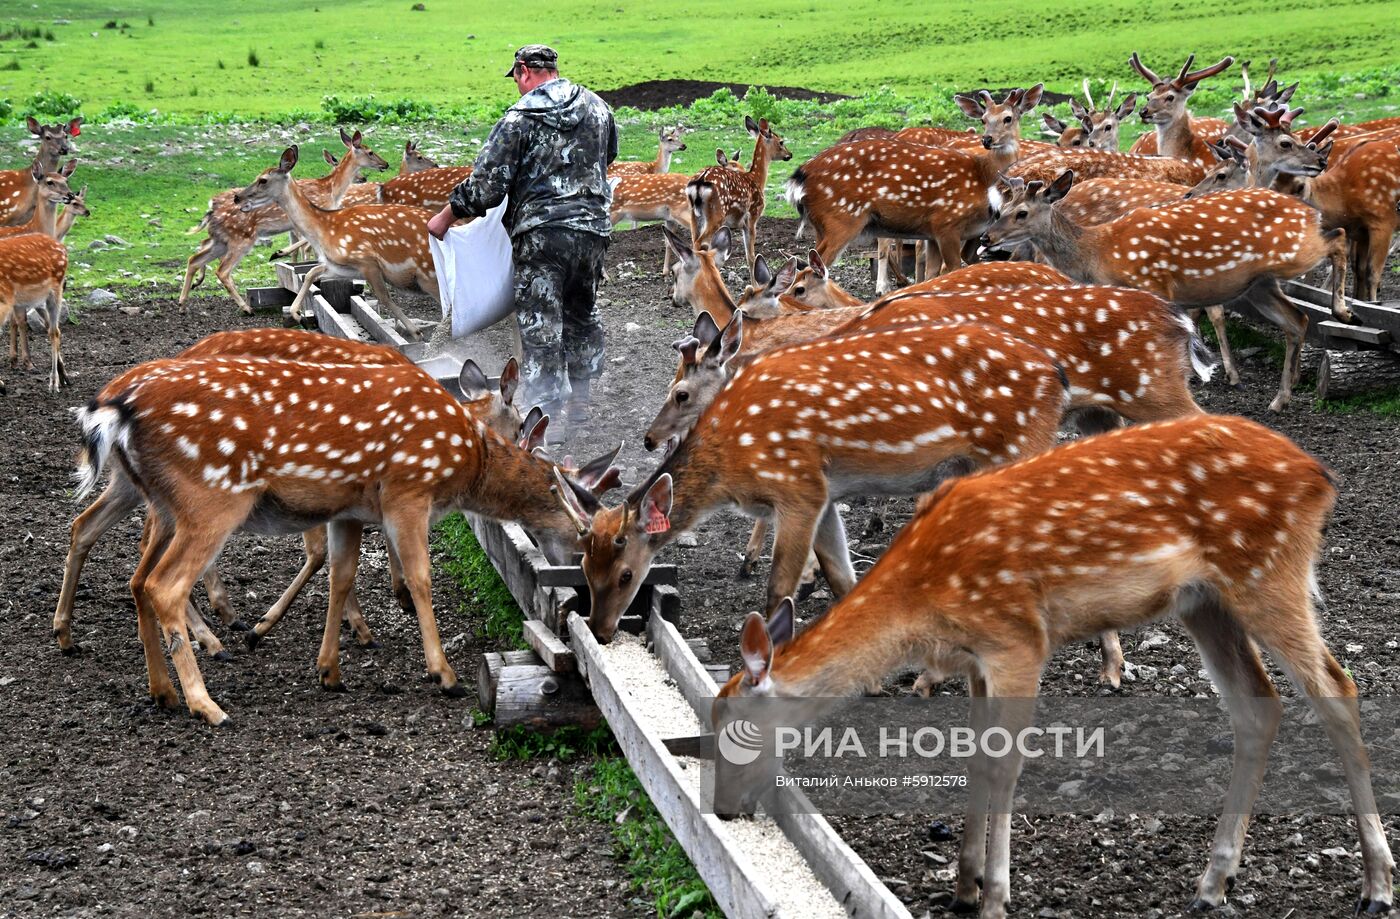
x=12, y=65
x=150, y=86
x=7, y=110
x=365, y=109
x=124, y=111
x=52, y=104
x=253, y=60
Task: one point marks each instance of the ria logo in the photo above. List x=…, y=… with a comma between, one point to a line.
x=740, y=742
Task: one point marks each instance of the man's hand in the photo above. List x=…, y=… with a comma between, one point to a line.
x=441, y=222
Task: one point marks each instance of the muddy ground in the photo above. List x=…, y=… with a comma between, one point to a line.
x=383, y=801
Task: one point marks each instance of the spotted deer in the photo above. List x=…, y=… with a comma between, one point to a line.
x=490, y=404
x=233, y=231
x=735, y=198
x=53, y=192
x=1106, y=164
x=1199, y=253
x=785, y=439
x=428, y=188
x=297, y=445
x=647, y=196
x=1273, y=158
x=1216, y=521
x=895, y=189
x=75, y=208
x=32, y=269
x=1097, y=129
x=1165, y=109
x=384, y=244
x=1094, y=201
x=19, y=188
x=815, y=287
x=669, y=143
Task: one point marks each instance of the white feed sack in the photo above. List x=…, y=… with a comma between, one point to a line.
x=654, y=700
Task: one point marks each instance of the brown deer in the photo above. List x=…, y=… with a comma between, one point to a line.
x=651, y=196
x=815, y=287
x=297, y=445
x=1106, y=164
x=735, y=198
x=1217, y=521
x=1165, y=109
x=896, y=189
x=53, y=191
x=1095, y=201
x=1096, y=129
x=669, y=143
x=75, y=208
x=785, y=438
x=384, y=244
x=233, y=231
x=32, y=269
x=1199, y=253
x=429, y=188
x=19, y=189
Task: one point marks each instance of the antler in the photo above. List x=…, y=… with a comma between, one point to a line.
x=1272, y=115
x=1286, y=120
x=1323, y=133
x=1248, y=91
x=1108, y=106
x=1087, y=95
x=1141, y=68
x=1196, y=76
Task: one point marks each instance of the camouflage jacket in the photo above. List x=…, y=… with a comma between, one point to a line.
x=550, y=153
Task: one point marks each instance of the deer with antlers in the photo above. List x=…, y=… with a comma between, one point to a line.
x=492, y=405
x=890, y=188
x=784, y=439
x=233, y=231
x=20, y=191
x=384, y=244
x=222, y=444
x=1165, y=109
x=1216, y=521
x=669, y=143
x=735, y=198
x=1097, y=129
x=1199, y=253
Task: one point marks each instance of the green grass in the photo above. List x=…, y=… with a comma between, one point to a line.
x=1244, y=336
x=1385, y=403
x=566, y=743
x=455, y=51
x=656, y=864
x=488, y=601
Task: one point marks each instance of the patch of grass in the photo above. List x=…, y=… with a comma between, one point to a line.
x=320, y=44
x=488, y=601
x=151, y=87
x=1384, y=402
x=564, y=744
x=656, y=863
x=253, y=60
x=12, y=65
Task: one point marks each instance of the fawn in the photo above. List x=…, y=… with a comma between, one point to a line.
x=800, y=427
x=19, y=188
x=669, y=143
x=721, y=196
x=32, y=269
x=815, y=287
x=1215, y=520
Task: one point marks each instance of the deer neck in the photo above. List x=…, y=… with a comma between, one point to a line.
x=663, y=159
x=846, y=651
x=1067, y=249
x=710, y=294
x=992, y=163
x=1174, y=138
x=340, y=179
x=515, y=485
x=840, y=296
x=64, y=223
x=44, y=219
x=308, y=219
x=46, y=160
x=758, y=167
x=694, y=491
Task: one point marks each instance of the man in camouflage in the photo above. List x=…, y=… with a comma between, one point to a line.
x=549, y=153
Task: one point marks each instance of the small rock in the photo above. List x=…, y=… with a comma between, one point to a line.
x=1071, y=789
x=130, y=310
x=1337, y=852
x=938, y=831
x=934, y=857
x=96, y=244
x=1153, y=640
x=1147, y=672
x=256, y=867
x=114, y=240
x=687, y=540
x=129, y=831
x=1048, y=913
x=303, y=127
x=632, y=327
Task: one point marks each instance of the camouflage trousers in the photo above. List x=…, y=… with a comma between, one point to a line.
x=561, y=336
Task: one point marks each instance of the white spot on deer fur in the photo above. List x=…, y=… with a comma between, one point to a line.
x=187, y=447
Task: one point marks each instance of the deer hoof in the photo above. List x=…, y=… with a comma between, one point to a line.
x=72, y=650
x=251, y=639
x=369, y=645
x=1371, y=907
x=166, y=700
x=1200, y=905
x=455, y=691
x=961, y=907
x=223, y=656
x=238, y=625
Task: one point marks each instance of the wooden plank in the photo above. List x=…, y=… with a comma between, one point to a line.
x=536, y=697
x=334, y=323
x=1383, y=316
x=1331, y=328
x=572, y=576
x=338, y=291
x=268, y=299
x=836, y=865
x=556, y=655
x=379, y=329
x=729, y=874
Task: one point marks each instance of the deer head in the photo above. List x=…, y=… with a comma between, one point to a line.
x=1001, y=121
x=493, y=405
x=1065, y=135
x=618, y=542
x=702, y=373
x=53, y=186
x=773, y=146
x=697, y=270
x=670, y=140
x=812, y=284
x=1026, y=210
x=414, y=160
x=55, y=140
x=271, y=186
x=1101, y=128
x=1277, y=152
x=78, y=203
x=1167, y=100
x=759, y=298
x=364, y=158
x=1231, y=172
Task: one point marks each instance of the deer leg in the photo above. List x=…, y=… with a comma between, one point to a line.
x=154, y=540
x=1267, y=297
x=949, y=252
x=1111, y=649
x=225, y=273
x=972, y=850
x=1376, y=253
x=1234, y=666
x=19, y=331
x=315, y=543
x=407, y=529
x=1337, y=254
x=375, y=279
x=396, y=579
x=833, y=553
x=201, y=633
x=1227, y=360
x=117, y=500
x=364, y=637
x=1012, y=695
x=343, y=550
x=797, y=525
x=58, y=375
x=750, y=235
x=196, y=265
x=219, y=600
x=882, y=266
x=757, y=538
x=311, y=278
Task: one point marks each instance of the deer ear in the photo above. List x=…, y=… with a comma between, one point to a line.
x=36, y=172
x=357, y=138
x=33, y=125
x=510, y=380
x=1125, y=108
x=706, y=329
x=783, y=279
x=532, y=418
x=720, y=158
x=407, y=147
x=762, y=276
x=750, y=125
x=1060, y=186
x=1286, y=93
x=1030, y=98
x=732, y=339
x=818, y=266
x=721, y=242
x=329, y=157
x=67, y=168
x=345, y=138
x=569, y=500
x=656, y=506
x=598, y=475
x=1055, y=125
x=679, y=245
x=971, y=106
x=75, y=127
x=756, y=648
x=1078, y=109
x=534, y=438
x=288, y=161
x=781, y=622
x=472, y=382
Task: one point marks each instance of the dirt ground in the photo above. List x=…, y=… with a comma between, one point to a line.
x=383, y=801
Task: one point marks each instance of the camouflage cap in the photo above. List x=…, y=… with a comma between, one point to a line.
x=535, y=56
